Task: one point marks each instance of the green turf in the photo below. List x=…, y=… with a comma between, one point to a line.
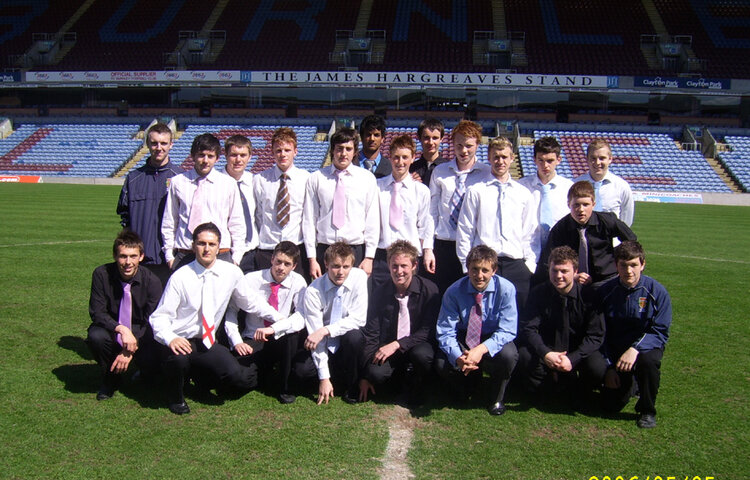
x=52, y=236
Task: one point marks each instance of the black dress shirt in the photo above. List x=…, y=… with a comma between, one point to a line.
x=106, y=293
x=601, y=228
x=424, y=169
x=382, y=316
x=544, y=328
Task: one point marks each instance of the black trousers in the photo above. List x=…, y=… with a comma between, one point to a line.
x=421, y=356
x=516, y=272
x=104, y=347
x=280, y=351
x=646, y=371
x=448, y=268
x=535, y=374
x=320, y=250
x=500, y=367
x=213, y=367
x=343, y=365
x=183, y=258
x=263, y=261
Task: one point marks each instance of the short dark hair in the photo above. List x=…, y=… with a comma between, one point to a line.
x=371, y=122
x=206, y=227
x=239, y=141
x=546, y=145
x=159, y=128
x=287, y=248
x=402, y=247
x=204, y=142
x=338, y=249
x=564, y=254
x=345, y=135
x=581, y=188
x=628, y=250
x=481, y=253
x=430, y=124
x=128, y=239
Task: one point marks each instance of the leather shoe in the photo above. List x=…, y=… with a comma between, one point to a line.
x=105, y=393
x=179, y=408
x=646, y=420
x=496, y=408
x=287, y=398
x=349, y=398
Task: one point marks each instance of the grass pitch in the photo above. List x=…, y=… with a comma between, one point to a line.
x=53, y=236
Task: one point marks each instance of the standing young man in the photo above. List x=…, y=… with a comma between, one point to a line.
x=613, y=194
x=238, y=151
x=198, y=196
x=448, y=186
x=279, y=198
x=341, y=205
x=476, y=327
x=430, y=134
x=123, y=295
x=550, y=190
x=404, y=211
x=372, y=133
x=501, y=214
x=189, y=315
x=638, y=314
x=143, y=195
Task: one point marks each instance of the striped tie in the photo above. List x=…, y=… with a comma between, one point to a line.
x=457, y=199
x=282, y=202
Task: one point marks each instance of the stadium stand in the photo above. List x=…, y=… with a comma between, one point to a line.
x=737, y=160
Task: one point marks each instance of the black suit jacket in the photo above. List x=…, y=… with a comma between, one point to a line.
x=382, y=316
x=106, y=293
x=383, y=169
x=601, y=228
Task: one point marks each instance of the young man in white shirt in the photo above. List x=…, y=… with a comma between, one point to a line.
x=448, y=186
x=550, y=190
x=190, y=313
x=198, y=196
x=613, y=193
x=341, y=205
x=404, y=211
x=279, y=198
x=335, y=312
x=238, y=151
x=501, y=214
x=260, y=341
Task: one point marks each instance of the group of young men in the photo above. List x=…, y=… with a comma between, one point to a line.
x=415, y=266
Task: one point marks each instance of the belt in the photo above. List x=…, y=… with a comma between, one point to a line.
x=187, y=251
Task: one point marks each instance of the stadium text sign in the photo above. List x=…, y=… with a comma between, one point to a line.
x=430, y=78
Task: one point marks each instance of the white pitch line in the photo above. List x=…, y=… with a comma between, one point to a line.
x=394, y=462
x=692, y=257
x=69, y=242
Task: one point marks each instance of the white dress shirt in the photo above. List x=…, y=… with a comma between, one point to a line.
x=266, y=187
x=177, y=314
x=223, y=207
x=442, y=185
x=558, y=196
x=246, y=185
x=318, y=300
x=290, y=291
x=418, y=227
x=362, y=215
x=615, y=196
x=478, y=222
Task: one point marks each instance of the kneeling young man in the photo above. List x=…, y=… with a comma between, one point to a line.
x=561, y=327
x=638, y=314
x=476, y=328
x=190, y=312
x=400, y=325
x=123, y=295
x=264, y=342
x=335, y=312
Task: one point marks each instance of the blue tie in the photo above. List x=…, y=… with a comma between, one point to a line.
x=248, y=216
x=546, y=214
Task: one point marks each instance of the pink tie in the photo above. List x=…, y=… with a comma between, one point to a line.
x=124, y=317
x=404, y=327
x=273, y=300
x=196, y=205
x=339, y=200
x=396, y=212
x=474, y=330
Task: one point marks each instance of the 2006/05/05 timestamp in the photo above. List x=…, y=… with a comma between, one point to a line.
x=650, y=477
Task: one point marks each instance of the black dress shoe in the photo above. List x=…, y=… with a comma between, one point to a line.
x=646, y=420
x=349, y=398
x=496, y=408
x=287, y=398
x=105, y=393
x=179, y=408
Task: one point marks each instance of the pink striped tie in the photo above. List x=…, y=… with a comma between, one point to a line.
x=474, y=330
x=396, y=212
x=339, y=200
x=196, y=205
